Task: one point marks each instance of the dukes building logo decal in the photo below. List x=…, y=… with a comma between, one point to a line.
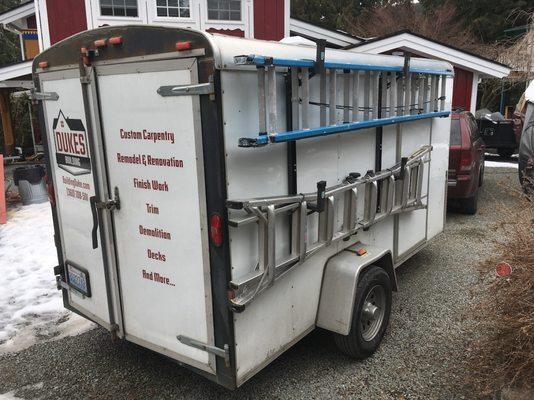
x=72, y=149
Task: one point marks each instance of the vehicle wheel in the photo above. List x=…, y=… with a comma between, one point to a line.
x=372, y=308
x=469, y=205
x=481, y=176
x=505, y=153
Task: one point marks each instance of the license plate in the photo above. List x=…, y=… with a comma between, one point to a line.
x=78, y=279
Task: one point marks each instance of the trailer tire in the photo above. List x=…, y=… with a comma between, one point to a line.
x=374, y=288
x=470, y=204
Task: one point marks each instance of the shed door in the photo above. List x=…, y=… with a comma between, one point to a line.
x=154, y=158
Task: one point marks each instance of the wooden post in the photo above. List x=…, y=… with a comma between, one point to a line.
x=7, y=128
x=3, y=212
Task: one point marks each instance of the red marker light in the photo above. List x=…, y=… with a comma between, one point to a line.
x=503, y=269
x=181, y=46
x=115, y=40
x=231, y=294
x=361, y=252
x=100, y=43
x=216, y=229
x=43, y=64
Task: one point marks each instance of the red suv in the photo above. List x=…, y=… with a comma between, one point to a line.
x=466, y=161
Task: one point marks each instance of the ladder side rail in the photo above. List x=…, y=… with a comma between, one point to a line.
x=407, y=93
x=366, y=95
x=401, y=82
x=295, y=117
x=271, y=100
x=435, y=78
x=347, y=84
x=305, y=97
x=393, y=95
x=426, y=94
x=375, y=77
x=261, y=101
x=421, y=95
x=333, y=97
x=385, y=80
x=432, y=93
x=413, y=95
x=355, y=96
x=443, y=92
x=322, y=97
x=370, y=199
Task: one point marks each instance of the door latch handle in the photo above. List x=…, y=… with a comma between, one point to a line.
x=112, y=204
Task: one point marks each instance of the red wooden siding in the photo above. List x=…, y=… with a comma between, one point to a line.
x=269, y=19
x=461, y=92
x=65, y=18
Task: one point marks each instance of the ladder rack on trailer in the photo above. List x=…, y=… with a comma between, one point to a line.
x=391, y=95
x=391, y=191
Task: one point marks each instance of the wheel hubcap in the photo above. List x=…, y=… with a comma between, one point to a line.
x=374, y=309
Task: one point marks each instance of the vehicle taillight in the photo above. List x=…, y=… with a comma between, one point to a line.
x=466, y=161
x=216, y=229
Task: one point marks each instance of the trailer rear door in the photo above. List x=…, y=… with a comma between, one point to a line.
x=154, y=156
x=72, y=170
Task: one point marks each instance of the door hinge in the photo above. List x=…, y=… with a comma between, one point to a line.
x=224, y=353
x=186, y=90
x=40, y=96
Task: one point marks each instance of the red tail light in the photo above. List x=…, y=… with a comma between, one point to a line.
x=43, y=64
x=216, y=229
x=181, y=46
x=466, y=161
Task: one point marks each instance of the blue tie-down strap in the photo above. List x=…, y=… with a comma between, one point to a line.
x=332, y=129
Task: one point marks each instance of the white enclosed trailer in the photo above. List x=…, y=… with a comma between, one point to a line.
x=216, y=198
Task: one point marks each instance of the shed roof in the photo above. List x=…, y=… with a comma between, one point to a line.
x=426, y=47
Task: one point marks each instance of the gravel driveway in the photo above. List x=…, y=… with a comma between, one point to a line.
x=422, y=356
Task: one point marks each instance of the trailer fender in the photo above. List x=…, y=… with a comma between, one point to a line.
x=340, y=279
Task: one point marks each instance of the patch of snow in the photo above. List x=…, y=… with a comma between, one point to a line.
x=498, y=164
x=31, y=308
x=11, y=395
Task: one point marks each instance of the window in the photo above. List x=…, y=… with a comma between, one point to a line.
x=173, y=8
x=224, y=10
x=119, y=8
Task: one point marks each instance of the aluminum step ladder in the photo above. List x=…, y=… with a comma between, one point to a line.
x=391, y=191
x=391, y=95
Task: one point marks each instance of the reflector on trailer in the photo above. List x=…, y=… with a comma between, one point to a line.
x=115, y=40
x=216, y=232
x=43, y=64
x=181, y=46
x=100, y=43
x=503, y=269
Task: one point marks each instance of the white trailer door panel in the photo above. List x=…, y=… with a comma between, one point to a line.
x=72, y=168
x=154, y=159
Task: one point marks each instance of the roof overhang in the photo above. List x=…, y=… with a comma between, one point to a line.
x=431, y=49
x=17, y=13
x=16, y=71
x=311, y=31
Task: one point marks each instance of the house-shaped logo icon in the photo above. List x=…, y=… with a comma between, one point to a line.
x=72, y=149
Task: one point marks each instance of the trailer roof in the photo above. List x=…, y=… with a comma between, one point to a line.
x=227, y=47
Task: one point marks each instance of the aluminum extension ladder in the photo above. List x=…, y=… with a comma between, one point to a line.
x=391, y=191
x=391, y=94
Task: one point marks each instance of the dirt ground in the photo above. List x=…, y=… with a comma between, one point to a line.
x=422, y=357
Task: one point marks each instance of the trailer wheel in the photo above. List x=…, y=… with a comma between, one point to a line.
x=470, y=204
x=372, y=308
